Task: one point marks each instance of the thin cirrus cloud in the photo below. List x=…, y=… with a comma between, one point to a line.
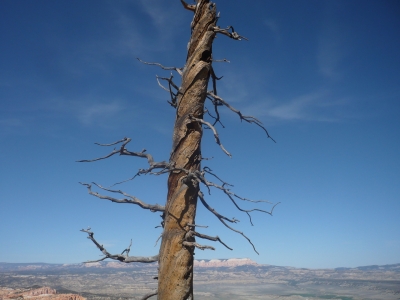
x=97, y=113
x=332, y=46
x=160, y=15
x=88, y=111
x=126, y=37
x=315, y=106
x=134, y=38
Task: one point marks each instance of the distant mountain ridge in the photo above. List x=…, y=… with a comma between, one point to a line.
x=230, y=274
x=202, y=263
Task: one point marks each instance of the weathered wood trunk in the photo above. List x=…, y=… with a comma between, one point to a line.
x=175, y=277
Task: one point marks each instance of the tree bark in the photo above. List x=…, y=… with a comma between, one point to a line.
x=175, y=277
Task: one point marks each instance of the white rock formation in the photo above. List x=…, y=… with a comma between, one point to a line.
x=232, y=262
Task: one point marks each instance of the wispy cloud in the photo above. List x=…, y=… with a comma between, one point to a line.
x=333, y=40
x=315, y=106
x=98, y=112
x=130, y=38
x=320, y=104
x=135, y=28
x=233, y=87
x=160, y=14
x=88, y=110
x=299, y=108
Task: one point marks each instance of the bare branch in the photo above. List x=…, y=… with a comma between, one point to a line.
x=163, y=165
x=179, y=70
x=211, y=238
x=214, y=131
x=206, y=158
x=171, y=85
x=169, y=81
x=100, y=158
x=117, y=142
x=124, y=151
x=214, y=80
x=119, y=257
x=207, y=183
x=191, y=7
x=200, y=176
x=215, y=103
x=194, y=244
x=158, y=238
x=149, y=295
x=209, y=171
x=248, y=119
x=130, y=199
x=194, y=225
x=160, y=85
x=145, y=171
x=221, y=60
x=217, y=119
x=233, y=34
x=242, y=234
x=248, y=211
x=191, y=233
x=212, y=210
x=222, y=218
x=127, y=250
x=124, y=141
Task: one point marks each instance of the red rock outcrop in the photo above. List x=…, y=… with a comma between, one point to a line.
x=44, y=293
x=40, y=291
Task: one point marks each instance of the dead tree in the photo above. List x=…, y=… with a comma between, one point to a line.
x=185, y=174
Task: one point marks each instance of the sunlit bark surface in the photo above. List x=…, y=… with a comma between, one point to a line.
x=176, y=260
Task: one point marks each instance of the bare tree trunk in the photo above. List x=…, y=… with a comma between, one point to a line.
x=175, y=277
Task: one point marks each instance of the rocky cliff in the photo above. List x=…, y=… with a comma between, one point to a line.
x=36, y=294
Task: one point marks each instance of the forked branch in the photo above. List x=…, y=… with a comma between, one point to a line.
x=123, y=151
x=163, y=165
x=120, y=257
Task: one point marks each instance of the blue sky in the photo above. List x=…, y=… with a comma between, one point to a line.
x=323, y=76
